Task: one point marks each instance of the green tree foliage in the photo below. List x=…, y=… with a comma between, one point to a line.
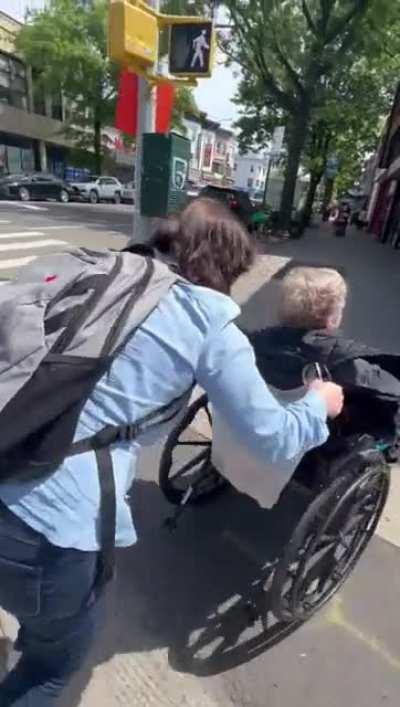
x=184, y=104
x=66, y=43
x=290, y=53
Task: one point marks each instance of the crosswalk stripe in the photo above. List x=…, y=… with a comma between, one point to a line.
x=21, y=234
x=62, y=228
x=31, y=245
x=16, y=262
x=20, y=205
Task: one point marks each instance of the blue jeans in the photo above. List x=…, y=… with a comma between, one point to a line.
x=50, y=591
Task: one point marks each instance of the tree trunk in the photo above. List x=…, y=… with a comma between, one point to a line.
x=98, y=156
x=297, y=139
x=329, y=185
x=309, y=202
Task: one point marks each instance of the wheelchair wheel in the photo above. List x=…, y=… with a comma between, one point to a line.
x=186, y=460
x=327, y=543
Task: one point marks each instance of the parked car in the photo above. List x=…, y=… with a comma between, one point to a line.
x=95, y=189
x=192, y=189
x=128, y=193
x=37, y=185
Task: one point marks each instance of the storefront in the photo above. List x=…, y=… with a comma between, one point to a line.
x=17, y=154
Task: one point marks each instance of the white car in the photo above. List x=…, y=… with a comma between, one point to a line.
x=128, y=193
x=95, y=189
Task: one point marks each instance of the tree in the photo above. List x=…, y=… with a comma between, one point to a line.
x=351, y=121
x=288, y=51
x=184, y=103
x=66, y=43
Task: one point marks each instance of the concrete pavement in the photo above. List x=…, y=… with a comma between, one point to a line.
x=177, y=633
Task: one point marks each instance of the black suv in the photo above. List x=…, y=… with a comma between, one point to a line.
x=237, y=200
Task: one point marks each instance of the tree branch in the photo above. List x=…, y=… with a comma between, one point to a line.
x=360, y=6
x=289, y=68
x=248, y=37
x=309, y=19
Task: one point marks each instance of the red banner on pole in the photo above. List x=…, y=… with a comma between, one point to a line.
x=126, y=118
x=165, y=102
x=127, y=103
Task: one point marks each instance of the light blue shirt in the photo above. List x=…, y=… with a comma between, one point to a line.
x=189, y=337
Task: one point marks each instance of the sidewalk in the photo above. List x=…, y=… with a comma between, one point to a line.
x=177, y=637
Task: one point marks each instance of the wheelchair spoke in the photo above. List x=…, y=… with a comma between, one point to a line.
x=190, y=464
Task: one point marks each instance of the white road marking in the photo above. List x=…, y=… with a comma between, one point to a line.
x=61, y=228
x=16, y=262
x=31, y=245
x=18, y=204
x=4, y=221
x=21, y=234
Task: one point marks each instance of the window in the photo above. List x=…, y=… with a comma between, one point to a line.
x=57, y=107
x=39, y=101
x=251, y=169
x=250, y=182
x=13, y=88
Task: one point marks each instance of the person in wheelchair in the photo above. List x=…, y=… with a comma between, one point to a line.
x=312, y=301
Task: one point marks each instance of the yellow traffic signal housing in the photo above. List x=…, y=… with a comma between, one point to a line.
x=132, y=35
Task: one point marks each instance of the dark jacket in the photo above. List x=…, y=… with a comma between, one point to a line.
x=370, y=378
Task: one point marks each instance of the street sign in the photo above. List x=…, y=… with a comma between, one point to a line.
x=191, y=49
x=132, y=35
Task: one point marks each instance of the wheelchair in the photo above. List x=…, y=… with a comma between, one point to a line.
x=343, y=487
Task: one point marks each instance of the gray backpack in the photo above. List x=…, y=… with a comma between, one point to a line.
x=62, y=322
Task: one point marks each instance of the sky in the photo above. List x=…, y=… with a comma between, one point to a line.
x=212, y=95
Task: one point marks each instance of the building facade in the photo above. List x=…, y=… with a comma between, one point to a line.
x=384, y=204
x=212, y=151
x=250, y=171
x=31, y=123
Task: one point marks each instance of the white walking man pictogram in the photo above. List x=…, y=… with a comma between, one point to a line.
x=200, y=45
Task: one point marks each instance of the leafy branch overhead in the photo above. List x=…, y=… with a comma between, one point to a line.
x=297, y=59
x=66, y=44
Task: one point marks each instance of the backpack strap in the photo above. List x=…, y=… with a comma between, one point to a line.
x=108, y=519
x=100, y=444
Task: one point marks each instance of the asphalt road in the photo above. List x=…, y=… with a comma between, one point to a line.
x=36, y=228
x=178, y=633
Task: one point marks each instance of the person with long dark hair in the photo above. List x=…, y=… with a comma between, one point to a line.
x=49, y=531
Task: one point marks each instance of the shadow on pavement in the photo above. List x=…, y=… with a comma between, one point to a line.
x=201, y=592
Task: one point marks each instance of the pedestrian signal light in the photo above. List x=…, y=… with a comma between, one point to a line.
x=191, y=49
x=132, y=35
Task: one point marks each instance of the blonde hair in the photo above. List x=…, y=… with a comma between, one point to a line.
x=312, y=298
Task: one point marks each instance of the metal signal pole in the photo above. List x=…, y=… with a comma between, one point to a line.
x=145, y=124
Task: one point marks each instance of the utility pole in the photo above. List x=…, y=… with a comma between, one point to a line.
x=145, y=124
